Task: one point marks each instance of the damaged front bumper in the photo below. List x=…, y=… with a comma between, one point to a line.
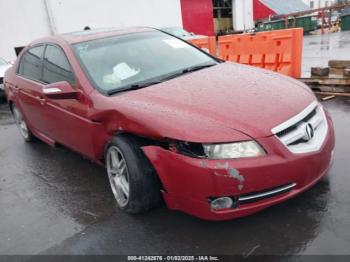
x=254, y=184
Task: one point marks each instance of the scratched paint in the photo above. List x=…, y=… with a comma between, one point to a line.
x=202, y=164
x=231, y=172
x=222, y=166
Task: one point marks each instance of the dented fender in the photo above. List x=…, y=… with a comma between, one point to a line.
x=192, y=177
x=189, y=183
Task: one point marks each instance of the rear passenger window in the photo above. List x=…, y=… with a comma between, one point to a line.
x=31, y=62
x=56, y=67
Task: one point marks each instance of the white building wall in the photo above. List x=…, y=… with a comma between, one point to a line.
x=242, y=14
x=72, y=15
x=22, y=21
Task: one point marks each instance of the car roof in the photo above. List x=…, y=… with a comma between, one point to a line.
x=92, y=34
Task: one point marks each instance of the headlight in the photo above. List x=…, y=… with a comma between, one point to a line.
x=218, y=151
x=233, y=150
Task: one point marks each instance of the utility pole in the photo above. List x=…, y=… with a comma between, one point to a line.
x=50, y=18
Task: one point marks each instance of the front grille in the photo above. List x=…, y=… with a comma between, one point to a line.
x=260, y=195
x=293, y=127
x=304, y=132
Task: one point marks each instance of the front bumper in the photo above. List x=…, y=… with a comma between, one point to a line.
x=189, y=182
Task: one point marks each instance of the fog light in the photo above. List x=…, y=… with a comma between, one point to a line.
x=221, y=203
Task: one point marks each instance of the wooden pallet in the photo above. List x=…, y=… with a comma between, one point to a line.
x=332, y=79
x=328, y=82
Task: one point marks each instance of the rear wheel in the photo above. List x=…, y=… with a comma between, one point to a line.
x=133, y=181
x=22, y=124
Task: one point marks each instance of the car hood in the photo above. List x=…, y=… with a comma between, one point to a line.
x=215, y=103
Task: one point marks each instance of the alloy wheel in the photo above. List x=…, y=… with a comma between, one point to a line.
x=20, y=122
x=118, y=175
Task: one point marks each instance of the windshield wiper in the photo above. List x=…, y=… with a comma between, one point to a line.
x=196, y=68
x=132, y=87
x=188, y=70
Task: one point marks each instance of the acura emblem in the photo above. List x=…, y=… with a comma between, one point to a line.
x=309, y=130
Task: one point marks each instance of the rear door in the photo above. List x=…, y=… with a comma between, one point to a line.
x=28, y=87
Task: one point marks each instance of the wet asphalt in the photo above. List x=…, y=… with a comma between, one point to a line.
x=318, y=49
x=53, y=201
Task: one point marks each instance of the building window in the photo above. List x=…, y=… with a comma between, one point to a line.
x=222, y=9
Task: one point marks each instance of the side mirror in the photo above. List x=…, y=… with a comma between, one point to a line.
x=60, y=90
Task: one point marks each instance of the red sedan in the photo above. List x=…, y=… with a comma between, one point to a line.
x=213, y=139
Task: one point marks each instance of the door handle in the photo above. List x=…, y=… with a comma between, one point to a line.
x=15, y=88
x=11, y=86
x=42, y=100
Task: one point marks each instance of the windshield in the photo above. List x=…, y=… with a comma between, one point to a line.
x=2, y=61
x=177, y=31
x=121, y=61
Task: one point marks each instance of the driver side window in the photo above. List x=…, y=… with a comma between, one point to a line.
x=56, y=67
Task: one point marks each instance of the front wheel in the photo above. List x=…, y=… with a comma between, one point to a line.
x=133, y=180
x=22, y=124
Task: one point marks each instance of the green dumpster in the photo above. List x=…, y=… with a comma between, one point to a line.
x=272, y=25
x=345, y=22
x=309, y=23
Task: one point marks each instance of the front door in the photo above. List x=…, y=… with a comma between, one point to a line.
x=67, y=119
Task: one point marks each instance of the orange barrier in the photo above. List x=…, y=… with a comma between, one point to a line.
x=279, y=50
x=206, y=43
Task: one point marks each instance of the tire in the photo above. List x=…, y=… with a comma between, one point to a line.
x=22, y=124
x=134, y=184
